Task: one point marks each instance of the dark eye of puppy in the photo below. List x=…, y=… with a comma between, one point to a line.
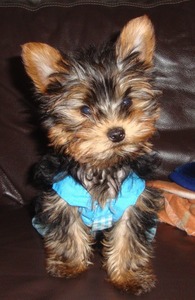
x=126, y=102
x=85, y=110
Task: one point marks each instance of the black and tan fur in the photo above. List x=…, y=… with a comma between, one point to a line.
x=99, y=109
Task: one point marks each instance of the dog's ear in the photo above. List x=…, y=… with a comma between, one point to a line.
x=137, y=36
x=41, y=62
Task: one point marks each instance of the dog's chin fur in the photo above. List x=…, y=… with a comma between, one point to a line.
x=99, y=108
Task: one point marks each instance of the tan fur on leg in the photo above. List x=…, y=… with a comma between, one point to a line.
x=68, y=255
x=128, y=260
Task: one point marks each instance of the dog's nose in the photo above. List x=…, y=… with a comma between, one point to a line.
x=116, y=134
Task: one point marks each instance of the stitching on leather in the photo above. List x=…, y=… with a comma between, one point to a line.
x=92, y=2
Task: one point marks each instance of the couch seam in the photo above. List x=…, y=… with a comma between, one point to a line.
x=80, y=3
x=17, y=194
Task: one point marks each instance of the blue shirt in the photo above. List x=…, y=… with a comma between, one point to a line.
x=92, y=214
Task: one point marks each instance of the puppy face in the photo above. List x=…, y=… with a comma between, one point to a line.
x=98, y=105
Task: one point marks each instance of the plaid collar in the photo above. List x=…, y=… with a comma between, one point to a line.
x=92, y=214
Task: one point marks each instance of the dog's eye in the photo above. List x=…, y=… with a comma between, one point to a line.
x=85, y=110
x=126, y=102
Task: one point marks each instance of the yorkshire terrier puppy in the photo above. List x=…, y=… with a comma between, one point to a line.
x=99, y=109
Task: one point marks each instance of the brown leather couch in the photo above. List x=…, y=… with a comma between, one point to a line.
x=69, y=25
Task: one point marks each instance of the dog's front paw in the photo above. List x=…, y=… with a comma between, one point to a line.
x=136, y=283
x=59, y=268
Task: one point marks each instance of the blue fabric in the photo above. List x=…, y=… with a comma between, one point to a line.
x=93, y=215
x=40, y=228
x=185, y=176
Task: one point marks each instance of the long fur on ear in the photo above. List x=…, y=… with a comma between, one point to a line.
x=41, y=61
x=137, y=36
